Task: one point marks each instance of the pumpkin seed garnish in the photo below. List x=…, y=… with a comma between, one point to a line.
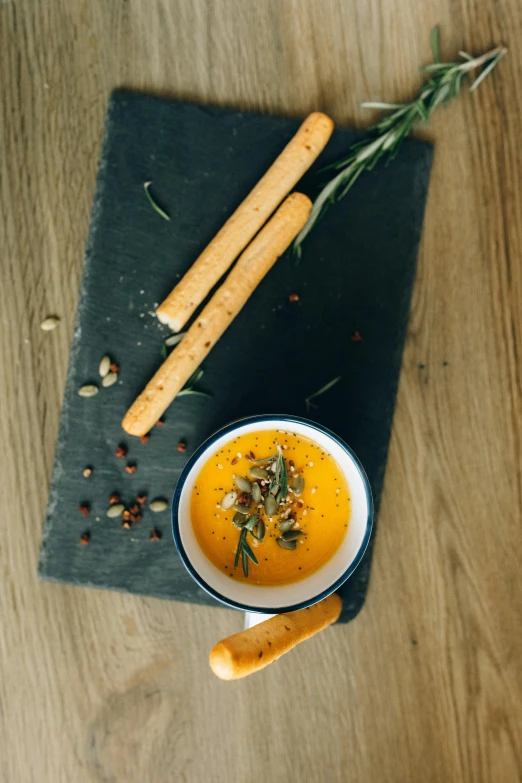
x=286, y=544
x=158, y=505
x=258, y=472
x=286, y=524
x=259, y=530
x=116, y=510
x=265, y=460
x=241, y=508
x=89, y=390
x=110, y=379
x=256, y=492
x=292, y=535
x=105, y=366
x=270, y=505
x=239, y=520
x=229, y=500
x=243, y=484
x=298, y=485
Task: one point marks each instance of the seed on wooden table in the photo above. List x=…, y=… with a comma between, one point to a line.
x=258, y=472
x=243, y=484
x=256, y=492
x=50, y=323
x=228, y=501
x=286, y=544
x=89, y=390
x=270, y=505
x=116, y=510
x=158, y=505
x=110, y=379
x=298, y=485
x=105, y=366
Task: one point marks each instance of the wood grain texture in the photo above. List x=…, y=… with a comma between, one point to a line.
x=425, y=684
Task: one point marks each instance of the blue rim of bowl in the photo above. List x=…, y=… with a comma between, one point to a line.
x=188, y=467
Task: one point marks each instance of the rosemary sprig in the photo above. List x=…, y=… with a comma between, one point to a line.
x=155, y=206
x=322, y=390
x=244, y=550
x=386, y=136
x=189, y=386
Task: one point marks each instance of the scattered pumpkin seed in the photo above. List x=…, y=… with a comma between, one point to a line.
x=298, y=484
x=239, y=519
x=243, y=484
x=259, y=530
x=242, y=508
x=286, y=544
x=228, y=501
x=256, y=492
x=116, y=510
x=286, y=524
x=278, y=498
x=292, y=535
x=50, y=323
x=89, y=390
x=158, y=505
x=105, y=366
x=110, y=379
x=258, y=472
x=270, y=505
x=275, y=489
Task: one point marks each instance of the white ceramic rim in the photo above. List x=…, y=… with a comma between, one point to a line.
x=296, y=595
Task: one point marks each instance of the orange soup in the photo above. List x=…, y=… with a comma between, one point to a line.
x=270, y=507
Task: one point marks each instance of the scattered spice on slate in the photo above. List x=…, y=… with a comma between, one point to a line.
x=293, y=297
x=87, y=472
x=158, y=505
x=182, y=446
x=114, y=367
x=155, y=534
x=114, y=498
x=105, y=366
x=84, y=510
x=144, y=438
x=141, y=499
x=89, y=390
x=126, y=514
x=126, y=525
x=116, y=510
x=121, y=451
x=356, y=338
x=160, y=423
x=135, y=509
x=131, y=468
x=109, y=380
x=135, y=518
x=85, y=538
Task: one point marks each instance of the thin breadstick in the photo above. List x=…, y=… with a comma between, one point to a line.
x=251, y=650
x=245, y=222
x=219, y=313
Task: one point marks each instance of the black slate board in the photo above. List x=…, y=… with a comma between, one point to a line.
x=356, y=274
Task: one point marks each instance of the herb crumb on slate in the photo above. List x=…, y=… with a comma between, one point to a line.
x=155, y=534
x=121, y=451
x=85, y=538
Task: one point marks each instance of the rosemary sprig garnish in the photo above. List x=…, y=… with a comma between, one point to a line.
x=244, y=549
x=189, y=386
x=322, y=390
x=387, y=135
x=155, y=206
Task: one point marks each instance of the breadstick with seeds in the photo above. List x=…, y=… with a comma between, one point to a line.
x=219, y=313
x=245, y=222
x=251, y=650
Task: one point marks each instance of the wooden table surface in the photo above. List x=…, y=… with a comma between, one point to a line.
x=425, y=685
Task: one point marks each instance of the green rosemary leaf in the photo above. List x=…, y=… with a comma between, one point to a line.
x=435, y=43
x=322, y=390
x=242, y=537
x=196, y=392
x=244, y=562
x=163, y=351
x=386, y=136
x=283, y=477
x=159, y=210
x=251, y=523
x=248, y=552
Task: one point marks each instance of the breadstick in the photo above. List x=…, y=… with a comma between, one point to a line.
x=251, y=650
x=219, y=313
x=245, y=222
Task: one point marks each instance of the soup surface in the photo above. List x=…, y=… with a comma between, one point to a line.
x=292, y=522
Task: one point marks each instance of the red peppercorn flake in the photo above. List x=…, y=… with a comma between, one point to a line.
x=356, y=338
x=121, y=451
x=85, y=538
x=87, y=471
x=131, y=468
x=160, y=423
x=84, y=510
x=114, y=367
x=141, y=499
x=135, y=509
x=155, y=534
x=293, y=297
x=126, y=525
x=114, y=498
x=144, y=438
x=135, y=518
x=182, y=446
